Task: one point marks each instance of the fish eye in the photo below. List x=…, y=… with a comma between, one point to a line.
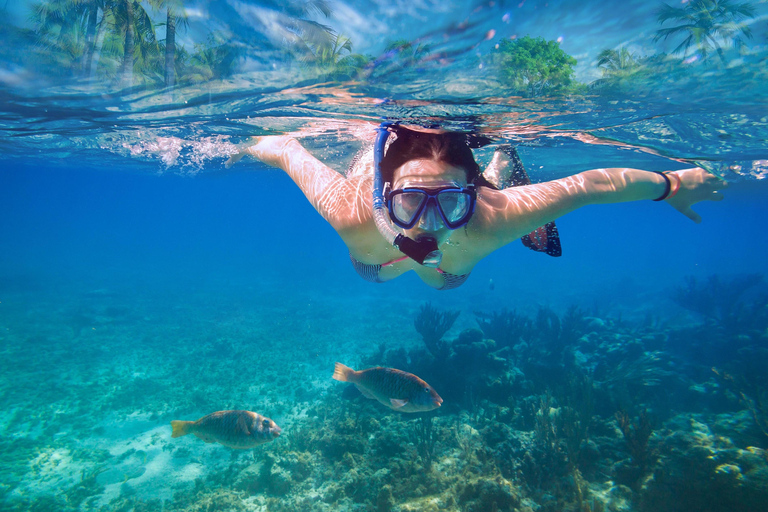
x=265, y=423
x=426, y=390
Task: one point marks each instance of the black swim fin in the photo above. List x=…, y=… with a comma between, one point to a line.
x=507, y=170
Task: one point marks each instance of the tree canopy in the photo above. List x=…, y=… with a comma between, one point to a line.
x=534, y=66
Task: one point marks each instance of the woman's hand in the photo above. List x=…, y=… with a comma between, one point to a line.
x=696, y=185
x=242, y=151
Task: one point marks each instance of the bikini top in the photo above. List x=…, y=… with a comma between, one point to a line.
x=370, y=272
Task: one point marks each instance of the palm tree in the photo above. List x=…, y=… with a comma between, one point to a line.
x=129, y=45
x=706, y=24
x=617, y=66
x=293, y=28
x=170, y=43
x=328, y=57
x=174, y=16
x=60, y=26
x=213, y=60
x=126, y=71
x=407, y=53
x=615, y=62
x=95, y=23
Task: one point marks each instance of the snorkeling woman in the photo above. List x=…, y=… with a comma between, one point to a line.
x=419, y=202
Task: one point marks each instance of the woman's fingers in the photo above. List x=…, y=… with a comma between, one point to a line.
x=695, y=217
x=243, y=147
x=698, y=185
x=233, y=159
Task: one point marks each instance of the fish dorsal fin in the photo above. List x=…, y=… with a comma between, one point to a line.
x=365, y=392
x=398, y=403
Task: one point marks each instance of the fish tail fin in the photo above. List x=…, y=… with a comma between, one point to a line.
x=343, y=373
x=180, y=428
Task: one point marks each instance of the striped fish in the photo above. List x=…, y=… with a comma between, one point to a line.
x=398, y=390
x=234, y=429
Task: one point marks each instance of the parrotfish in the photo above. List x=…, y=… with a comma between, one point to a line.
x=398, y=390
x=234, y=429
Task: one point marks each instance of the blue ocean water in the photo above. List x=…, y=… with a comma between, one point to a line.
x=142, y=282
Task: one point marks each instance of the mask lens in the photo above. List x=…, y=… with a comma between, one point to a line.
x=454, y=204
x=407, y=206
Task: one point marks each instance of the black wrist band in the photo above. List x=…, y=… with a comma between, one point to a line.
x=667, y=187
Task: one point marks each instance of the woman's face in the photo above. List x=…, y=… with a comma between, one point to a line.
x=428, y=174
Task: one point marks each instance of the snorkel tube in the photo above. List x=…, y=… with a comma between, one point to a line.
x=424, y=251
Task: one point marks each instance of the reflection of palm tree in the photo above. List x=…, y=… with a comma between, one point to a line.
x=174, y=16
x=308, y=34
x=93, y=30
x=126, y=72
x=330, y=54
x=616, y=62
x=328, y=57
x=407, y=52
x=130, y=39
x=706, y=24
x=59, y=28
x=214, y=60
x=617, y=66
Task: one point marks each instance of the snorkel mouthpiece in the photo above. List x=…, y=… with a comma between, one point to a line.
x=424, y=251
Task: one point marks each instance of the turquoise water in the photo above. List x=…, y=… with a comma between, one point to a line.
x=141, y=282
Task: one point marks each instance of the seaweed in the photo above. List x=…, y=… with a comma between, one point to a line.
x=432, y=325
x=758, y=408
x=629, y=378
x=506, y=327
x=576, y=415
x=636, y=435
x=425, y=440
x=751, y=388
x=718, y=300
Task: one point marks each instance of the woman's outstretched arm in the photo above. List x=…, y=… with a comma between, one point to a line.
x=340, y=201
x=513, y=212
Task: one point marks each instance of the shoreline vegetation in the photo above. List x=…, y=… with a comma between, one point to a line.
x=130, y=43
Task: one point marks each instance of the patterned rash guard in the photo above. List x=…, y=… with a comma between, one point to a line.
x=370, y=272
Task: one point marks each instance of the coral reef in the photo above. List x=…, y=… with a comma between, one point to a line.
x=536, y=414
x=432, y=325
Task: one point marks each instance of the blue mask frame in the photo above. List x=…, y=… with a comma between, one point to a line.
x=431, y=195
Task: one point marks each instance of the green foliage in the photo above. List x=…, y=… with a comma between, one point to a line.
x=332, y=58
x=406, y=52
x=60, y=31
x=399, y=56
x=91, y=39
x=534, y=67
x=214, y=60
x=626, y=73
x=618, y=67
x=707, y=25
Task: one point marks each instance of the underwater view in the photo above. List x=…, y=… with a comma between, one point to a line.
x=226, y=284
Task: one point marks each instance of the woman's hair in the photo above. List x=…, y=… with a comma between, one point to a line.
x=450, y=148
